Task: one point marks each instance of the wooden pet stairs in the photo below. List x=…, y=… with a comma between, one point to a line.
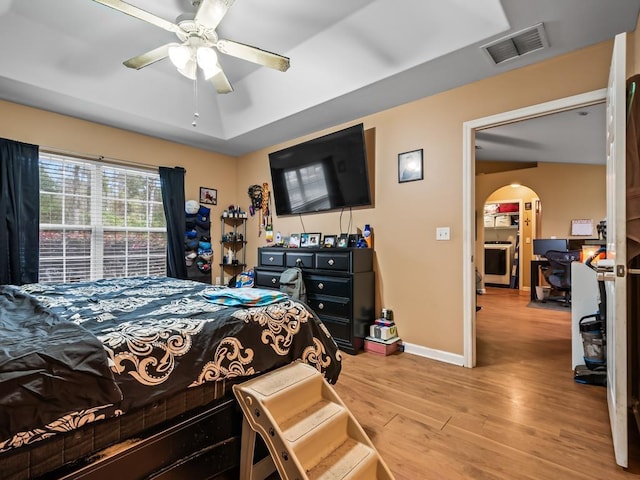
x=308, y=431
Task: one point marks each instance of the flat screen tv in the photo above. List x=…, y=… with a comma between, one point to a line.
x=326, y=173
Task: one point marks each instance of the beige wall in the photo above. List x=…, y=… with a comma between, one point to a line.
x=61, y=133
x=418, y=277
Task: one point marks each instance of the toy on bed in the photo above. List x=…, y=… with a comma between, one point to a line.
x=75, y=355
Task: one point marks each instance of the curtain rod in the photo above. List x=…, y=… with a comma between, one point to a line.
x=101, y=158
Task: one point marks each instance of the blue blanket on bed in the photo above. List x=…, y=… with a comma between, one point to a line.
x=244, y=297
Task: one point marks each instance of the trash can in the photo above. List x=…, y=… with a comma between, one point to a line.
x=592, y=330
x=543, y=293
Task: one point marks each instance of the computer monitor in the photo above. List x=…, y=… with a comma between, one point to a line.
x=543, y=245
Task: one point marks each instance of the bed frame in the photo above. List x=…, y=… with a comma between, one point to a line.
x=204, y=446
x=195, y=434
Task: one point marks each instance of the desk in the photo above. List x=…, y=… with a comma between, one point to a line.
x=535, y=276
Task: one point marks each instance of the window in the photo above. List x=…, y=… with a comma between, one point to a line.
x=99, y=221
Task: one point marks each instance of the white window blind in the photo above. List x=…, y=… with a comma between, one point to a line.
x=99, y=221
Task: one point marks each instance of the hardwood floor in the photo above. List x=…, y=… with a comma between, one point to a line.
x=518, y=415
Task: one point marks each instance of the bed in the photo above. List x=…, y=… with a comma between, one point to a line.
x=128, y=363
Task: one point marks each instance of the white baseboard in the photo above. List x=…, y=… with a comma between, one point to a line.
x=433, y=354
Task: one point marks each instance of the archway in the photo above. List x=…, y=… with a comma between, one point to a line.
x=510, y=220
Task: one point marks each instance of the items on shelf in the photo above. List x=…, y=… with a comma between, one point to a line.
x=198, y=252
x=234, y=212
x=233, y=229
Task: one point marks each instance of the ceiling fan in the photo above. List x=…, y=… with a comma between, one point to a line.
x=198, y=43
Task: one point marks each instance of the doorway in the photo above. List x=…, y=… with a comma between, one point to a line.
x=509, y=224
x=470, y=247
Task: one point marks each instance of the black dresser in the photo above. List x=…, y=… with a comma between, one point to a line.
x=339, y=283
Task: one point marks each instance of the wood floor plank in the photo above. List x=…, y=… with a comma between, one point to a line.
x=518, y=415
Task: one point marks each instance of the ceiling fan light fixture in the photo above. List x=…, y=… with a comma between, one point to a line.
x=180, y=55
x=190, y=69
x=207, y=61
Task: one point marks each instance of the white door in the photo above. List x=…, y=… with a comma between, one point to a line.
x=616, y=286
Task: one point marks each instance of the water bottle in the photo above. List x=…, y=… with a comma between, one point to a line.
x=368, y=237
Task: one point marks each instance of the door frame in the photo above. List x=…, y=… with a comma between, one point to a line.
x=469, y=202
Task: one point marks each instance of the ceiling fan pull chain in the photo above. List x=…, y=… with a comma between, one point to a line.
x=195, y=102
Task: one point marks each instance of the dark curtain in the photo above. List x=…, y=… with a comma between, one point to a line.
x=19, y=212
x=172, y=185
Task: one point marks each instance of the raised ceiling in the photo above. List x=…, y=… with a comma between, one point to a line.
x=348, y=59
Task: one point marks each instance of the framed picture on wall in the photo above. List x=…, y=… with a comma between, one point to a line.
x=410, y=166
x=208, y=195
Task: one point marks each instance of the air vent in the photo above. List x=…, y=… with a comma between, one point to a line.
x=517, y=44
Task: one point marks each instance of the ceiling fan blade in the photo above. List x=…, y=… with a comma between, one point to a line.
x=150, y=57
x=221, y=82
x=140, y=14
x=211, y=12
x=253, y=54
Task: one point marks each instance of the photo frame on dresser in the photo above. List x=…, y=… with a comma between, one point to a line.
x=330, y=241
x=343, y=241
x=314, y=240
x=294, y=240
x=304, y=240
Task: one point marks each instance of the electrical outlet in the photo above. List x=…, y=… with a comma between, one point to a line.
x=443, y=233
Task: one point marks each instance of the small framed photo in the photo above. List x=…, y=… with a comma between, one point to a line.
x=343, y=241
x=208, y=195
x=294, y=240
x=330, y=241
x=304, y=240
x=314, y=240
x=410, y=166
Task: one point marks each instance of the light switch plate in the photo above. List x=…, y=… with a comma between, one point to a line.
x=443, y=233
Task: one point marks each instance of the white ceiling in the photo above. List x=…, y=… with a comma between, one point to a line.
x=573, y=136
x=348, y=59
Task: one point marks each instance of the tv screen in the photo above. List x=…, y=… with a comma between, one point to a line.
x=326, y=173
x=543, y=245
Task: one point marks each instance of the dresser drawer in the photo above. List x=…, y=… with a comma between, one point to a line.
x=339, y=330
x=326, y=285
x=270, y=258
x=299, y=259
x=267, y=279
x=333, y=261
x=331, y=306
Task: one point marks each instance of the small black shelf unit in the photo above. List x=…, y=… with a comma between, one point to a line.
x=233, y=231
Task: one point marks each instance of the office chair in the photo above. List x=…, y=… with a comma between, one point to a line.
x=558, y=273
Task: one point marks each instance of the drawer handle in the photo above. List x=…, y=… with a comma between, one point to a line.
x=321, y=306
x=274, y=280
x=271, y=259
x=331, y=262
x=321, y=285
